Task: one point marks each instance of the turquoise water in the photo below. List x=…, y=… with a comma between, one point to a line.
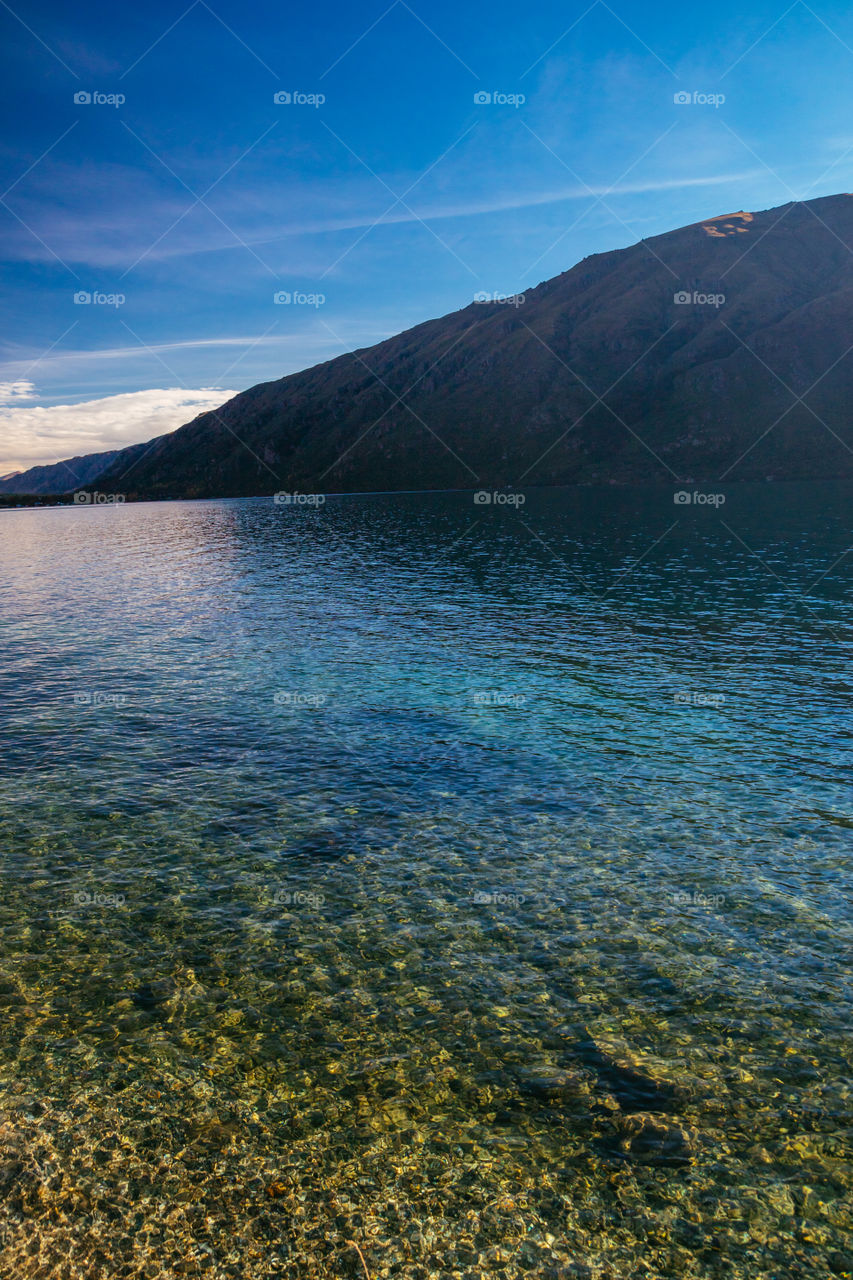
x=469, y=883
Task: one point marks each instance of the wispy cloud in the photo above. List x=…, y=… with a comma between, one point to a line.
x=15, y=391
x=114, y=234
x=68, y=365
x=190, y=344
x=501, y=204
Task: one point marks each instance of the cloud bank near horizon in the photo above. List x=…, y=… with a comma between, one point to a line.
x=36, y=435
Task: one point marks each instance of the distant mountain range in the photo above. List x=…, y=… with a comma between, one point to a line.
x=59, y=477
x=718, y=351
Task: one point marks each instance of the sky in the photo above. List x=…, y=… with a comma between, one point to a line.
x=197, y=197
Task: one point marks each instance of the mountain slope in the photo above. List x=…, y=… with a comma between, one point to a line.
x=500, y=394
x=59, y=477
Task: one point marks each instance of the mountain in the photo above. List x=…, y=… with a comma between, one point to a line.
x=717, y=351
x=59, y=477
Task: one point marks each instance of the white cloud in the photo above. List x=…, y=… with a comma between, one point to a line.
x=37, y=435
x=20, y=390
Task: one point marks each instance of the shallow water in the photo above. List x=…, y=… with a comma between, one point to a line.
x=470, y=883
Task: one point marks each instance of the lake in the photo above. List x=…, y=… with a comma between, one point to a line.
x=468, y=883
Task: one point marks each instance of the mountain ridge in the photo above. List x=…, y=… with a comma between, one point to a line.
x=54, y=477
x=718, y=350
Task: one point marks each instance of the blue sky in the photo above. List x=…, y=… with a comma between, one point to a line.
x=185, y=208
